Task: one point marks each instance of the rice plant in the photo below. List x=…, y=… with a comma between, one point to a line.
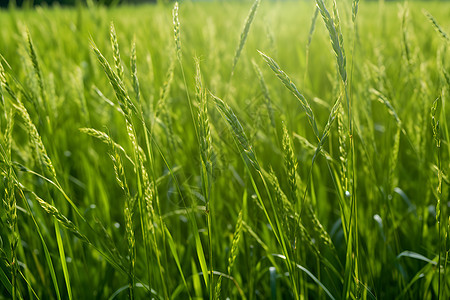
x=225, y=150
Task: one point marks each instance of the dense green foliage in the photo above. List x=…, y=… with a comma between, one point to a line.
x=163, y=154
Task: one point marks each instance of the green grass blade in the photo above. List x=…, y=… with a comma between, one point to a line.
x=62, y=256
x=5, y=281
x=44, y=246
x=173, y=249
x=244, y=34
x=311, y=275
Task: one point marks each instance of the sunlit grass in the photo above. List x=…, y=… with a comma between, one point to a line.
x=211, y=150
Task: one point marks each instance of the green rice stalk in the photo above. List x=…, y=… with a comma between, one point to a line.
x=36, y=140
x=249, y=157
x=238, y=130
x=176, y=30
x=124, y=100
x=63, y=220
x=319, y=229
x=436, y=109
x=198, y=243
x=134, y=75
x=317, y=226
x=35, y=63
x=44, y=245
x=342, y=149
x=218, y=288
x=333, y=27
x=105, y=138
x=145, y=195
x=235, y=243
x=352, y=258
x=62, y=258
x=3, y=82
x=176, y=23
x=203, y=122
x=116, y=52
x=233, y=253
x=435, y=118
x=115, y=262
x=11, y=205
x=326, y=131
x=38, y=145
x=291, y=86
x=206, y=151
x=176, y=258
x=244, y=34
x=436, y=26
x=128, y=213
x=393, y=180
x=290, y=163
x=284, y=207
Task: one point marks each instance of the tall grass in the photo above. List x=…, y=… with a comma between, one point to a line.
x=182, y=152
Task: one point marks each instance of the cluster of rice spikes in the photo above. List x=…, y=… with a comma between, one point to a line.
x=207, y=275
x=9, y=201
x=308, y=248
x=145, y=194
x=249, y=157
x=46, y=165
x=321, y=138
x=332, y=24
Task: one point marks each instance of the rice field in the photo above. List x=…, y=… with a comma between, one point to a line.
x=225, y=150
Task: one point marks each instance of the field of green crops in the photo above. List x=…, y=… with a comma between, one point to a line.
x=225, y=150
